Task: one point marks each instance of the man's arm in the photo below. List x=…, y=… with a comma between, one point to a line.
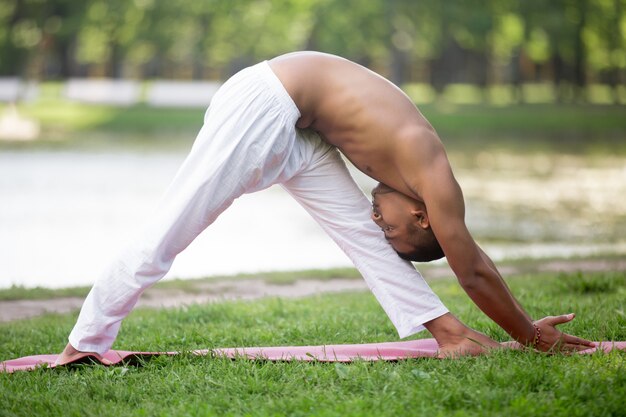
x=479, y=278
x=475, y=271
x=490, y=263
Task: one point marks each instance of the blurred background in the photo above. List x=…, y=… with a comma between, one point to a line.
x=572, y=44
x=101, y=100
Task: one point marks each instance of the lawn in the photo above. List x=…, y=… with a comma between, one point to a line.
x=537, y=127
x=504, y=383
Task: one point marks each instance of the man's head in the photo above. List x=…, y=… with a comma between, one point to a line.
x=405, y=224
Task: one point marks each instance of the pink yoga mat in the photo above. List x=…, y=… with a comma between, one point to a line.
x=388, y=351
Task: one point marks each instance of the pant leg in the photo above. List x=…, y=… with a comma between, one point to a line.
x=328, y=192
x=245, y=145
x=194, y=199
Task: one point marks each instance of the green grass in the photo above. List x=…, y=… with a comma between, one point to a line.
x=522, y=265
x=539, y=127
x=277, y=277
x=17, y=292
x=503, y=384
x=532, y=128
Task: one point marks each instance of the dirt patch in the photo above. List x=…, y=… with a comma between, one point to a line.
x=251, y=289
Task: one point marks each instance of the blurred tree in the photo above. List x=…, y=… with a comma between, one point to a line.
x=508, y=36
x=107, y=30
x=63, y=19
x=472, y=33
x=400, y=35
x=567, y=42
x=604, y=36
x=19, y=35
x=355, y=29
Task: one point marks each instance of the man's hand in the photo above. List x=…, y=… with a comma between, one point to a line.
x=70, y=354
x=553, y=340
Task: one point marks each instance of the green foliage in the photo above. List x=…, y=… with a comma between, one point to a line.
x=504, y=383
x=441, y=42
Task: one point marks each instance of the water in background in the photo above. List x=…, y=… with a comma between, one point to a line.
x=64, y=214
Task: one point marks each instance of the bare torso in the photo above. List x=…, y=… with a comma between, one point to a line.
x=361, y=113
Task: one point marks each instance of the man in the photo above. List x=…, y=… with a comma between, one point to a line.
x=250, y=140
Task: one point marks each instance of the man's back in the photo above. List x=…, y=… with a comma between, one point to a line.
x=381, y=131
x=368, y=118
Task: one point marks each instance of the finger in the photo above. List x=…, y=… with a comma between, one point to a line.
x=564, y=318
x=568, y=347
x=573, y=340
x=568, y=343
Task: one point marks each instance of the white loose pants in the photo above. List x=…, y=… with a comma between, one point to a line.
x=248, y=143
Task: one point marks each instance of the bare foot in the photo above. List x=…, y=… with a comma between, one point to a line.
x=70, y=355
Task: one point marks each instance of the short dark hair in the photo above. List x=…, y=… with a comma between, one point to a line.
x=382, y=189
x=426, y=246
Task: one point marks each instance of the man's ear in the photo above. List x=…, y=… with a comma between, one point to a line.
x=420, y=218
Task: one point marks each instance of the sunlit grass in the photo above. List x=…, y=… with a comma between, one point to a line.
x=464, y=115
x=508, y=95
x=17, y=292
x=505, y=383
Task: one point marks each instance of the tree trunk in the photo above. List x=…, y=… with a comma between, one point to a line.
x=580, y=73
x=615, y=42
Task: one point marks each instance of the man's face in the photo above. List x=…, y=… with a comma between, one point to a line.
x=392, y=212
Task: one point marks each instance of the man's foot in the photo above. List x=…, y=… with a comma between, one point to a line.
x=456, y=339
x=70, y=355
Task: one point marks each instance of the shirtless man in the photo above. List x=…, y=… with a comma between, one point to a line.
x=378, y=128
